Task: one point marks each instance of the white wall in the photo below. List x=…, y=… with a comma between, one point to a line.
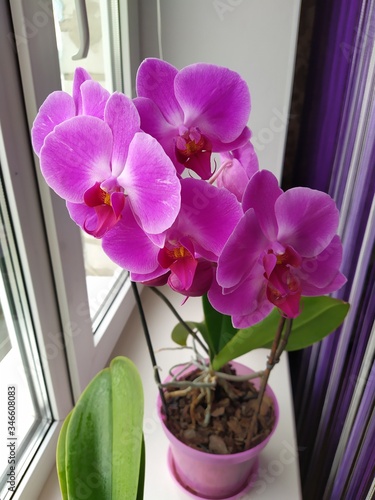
x=257, y=38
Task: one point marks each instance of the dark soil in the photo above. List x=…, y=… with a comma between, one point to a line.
x=233, y=405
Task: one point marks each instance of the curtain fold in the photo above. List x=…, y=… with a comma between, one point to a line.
x=334, y=380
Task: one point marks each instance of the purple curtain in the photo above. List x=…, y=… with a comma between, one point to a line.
x=334, y=382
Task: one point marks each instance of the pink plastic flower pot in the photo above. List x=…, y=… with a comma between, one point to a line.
x=211, y=476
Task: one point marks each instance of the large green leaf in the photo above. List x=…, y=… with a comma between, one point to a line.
x=61, y=458
x=219, y=327
x=127, y=418
x=142, y=468
x=247, y=340
x=320, y=316
x=99, y=451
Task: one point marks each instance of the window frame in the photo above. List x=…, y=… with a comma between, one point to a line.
x=50, y=247
x=24, y=204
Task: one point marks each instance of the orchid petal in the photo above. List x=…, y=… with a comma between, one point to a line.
x=284, y=290
x=269, y=263
x=152, y=120
x=214, y=99
x=157, y=278
x=247, y=156
x=158, y=239
x=154, y=123
x=80, y=76
x=208, y=216
x=237, y=169
x=200, y=283
x=117, y=203
x=155, y=80
x=82, y=214
x=240, y=256
x=247, y=304
x=307, y=220
x=94, y=98
x=94, y=221
x=261, y=194
x=129, y=247
x=220, y=147
x=182, y=273
x=106, y=219
x=95, y=217
x=289, y=304
x=151, y=184
x=200, y=164
x=233, y=178
x=254, y=317
x=320, y=275
x=94, y=196
x=57, y=108
x=123, y=119
x=76, y=156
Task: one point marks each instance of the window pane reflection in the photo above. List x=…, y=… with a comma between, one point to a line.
x=102, y=275
x=25, y=413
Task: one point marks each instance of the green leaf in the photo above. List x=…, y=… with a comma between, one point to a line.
x=61, y=458
x=180, y=334
x=103, y=437
x=247, y=340
x=89, y=442
x=142, y=467
x=220, y=330
x=127, y=418
x=320, y=317
x=216, y=330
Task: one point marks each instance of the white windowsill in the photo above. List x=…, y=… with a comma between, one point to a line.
x=278, y=472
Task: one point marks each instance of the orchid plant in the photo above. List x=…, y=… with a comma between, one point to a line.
x=170, y=183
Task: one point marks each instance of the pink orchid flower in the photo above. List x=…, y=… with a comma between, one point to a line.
x=187, y=258
x=285, y=246
x=100, y=165
x=201, y=109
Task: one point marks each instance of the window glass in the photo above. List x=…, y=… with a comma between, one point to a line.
x=25, y=415
x=103, y=277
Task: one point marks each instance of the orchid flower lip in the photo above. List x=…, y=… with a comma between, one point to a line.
x=190, y=143
x=170, y=254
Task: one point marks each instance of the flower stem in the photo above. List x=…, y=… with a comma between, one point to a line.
x=149, y=344
x=278, y=346
x=179, y=318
